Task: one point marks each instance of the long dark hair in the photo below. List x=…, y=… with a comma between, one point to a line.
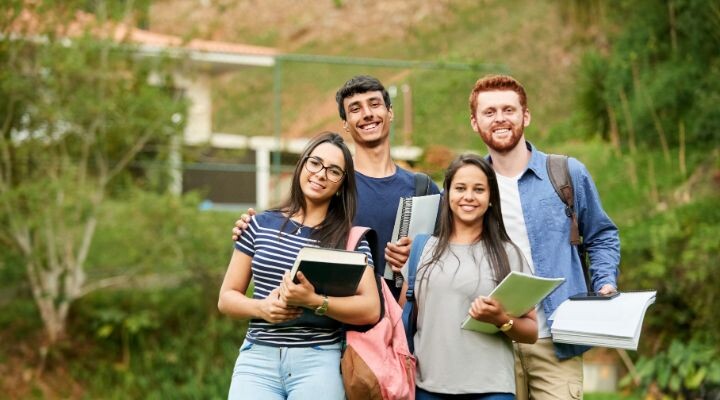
x=494, y=237
x=334, y=229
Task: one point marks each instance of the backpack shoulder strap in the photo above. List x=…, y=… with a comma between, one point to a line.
x=422, y=184
x=559, y=173
x=357, y=233
x=354, y=237
x=416, y=250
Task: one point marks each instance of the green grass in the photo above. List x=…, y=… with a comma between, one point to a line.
x=632, y=188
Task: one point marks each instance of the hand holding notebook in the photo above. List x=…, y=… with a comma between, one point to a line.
x=415, y=215
x=518, y=293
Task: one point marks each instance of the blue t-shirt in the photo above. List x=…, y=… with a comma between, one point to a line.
x=273, y=252
x=378, y=200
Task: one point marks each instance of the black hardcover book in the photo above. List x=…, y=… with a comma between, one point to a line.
x=332, y=272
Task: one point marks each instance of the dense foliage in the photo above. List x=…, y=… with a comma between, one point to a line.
x=653, y=94
x=658, y=83
x=76, y=108
x=156, y=333
x=686, y=370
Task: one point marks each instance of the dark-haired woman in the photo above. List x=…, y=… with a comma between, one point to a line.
x=459, y=267
x=292, y=346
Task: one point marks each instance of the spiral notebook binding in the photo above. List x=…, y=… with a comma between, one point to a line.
x=405, y=217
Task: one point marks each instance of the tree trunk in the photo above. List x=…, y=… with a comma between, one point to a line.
x=57, y=285
x=54, y=320
x=44, y=285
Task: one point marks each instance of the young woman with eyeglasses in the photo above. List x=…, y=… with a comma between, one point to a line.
x=293, y=342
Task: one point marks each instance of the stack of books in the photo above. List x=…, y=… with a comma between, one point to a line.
x=612, y=323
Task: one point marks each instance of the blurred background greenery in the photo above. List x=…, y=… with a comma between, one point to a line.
x=629, y=87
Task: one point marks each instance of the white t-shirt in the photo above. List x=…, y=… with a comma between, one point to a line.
x=515, y=225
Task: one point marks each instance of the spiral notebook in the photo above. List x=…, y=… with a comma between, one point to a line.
x=415, y=215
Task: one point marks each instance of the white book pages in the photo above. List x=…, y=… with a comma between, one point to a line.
x=611, y=323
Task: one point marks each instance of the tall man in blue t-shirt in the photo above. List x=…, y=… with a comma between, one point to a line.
x=365, y=108
x=366, y=112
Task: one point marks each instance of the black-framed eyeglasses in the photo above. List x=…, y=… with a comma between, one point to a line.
x=333, y=172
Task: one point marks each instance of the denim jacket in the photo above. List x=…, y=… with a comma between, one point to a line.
x=548, y=230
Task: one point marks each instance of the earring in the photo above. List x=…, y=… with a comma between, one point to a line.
x=490, y=205
x=337, y=194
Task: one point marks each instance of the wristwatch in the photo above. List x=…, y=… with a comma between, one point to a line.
x=322, y=308
x=506, y=326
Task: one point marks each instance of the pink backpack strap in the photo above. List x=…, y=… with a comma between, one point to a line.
x=356, y=233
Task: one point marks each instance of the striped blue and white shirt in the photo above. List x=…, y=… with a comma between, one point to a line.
x=273, y=252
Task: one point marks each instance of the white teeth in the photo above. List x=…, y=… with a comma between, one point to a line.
x=370, y=126
x=502, y=131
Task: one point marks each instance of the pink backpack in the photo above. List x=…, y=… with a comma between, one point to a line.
x=377, y=363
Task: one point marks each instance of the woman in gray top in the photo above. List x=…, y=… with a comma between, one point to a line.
x=459, y=267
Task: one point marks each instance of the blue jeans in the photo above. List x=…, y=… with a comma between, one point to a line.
x=425, y=395
x=293, y=373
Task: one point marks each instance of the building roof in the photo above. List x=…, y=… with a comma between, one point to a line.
x=217, y=54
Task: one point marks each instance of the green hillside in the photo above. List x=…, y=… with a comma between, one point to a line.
x=485, y=36
x=548, y=45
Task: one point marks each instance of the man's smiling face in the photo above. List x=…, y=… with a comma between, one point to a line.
x=368, y=118
x=500, y=119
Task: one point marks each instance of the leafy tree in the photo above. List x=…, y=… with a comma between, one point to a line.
x=657, y=83
x=75, y=111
